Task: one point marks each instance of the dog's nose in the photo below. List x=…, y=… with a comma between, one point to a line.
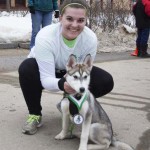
x=82, y=89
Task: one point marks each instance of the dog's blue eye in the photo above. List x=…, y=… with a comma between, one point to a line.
x=75, y=77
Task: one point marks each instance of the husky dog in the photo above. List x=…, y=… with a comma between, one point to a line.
x=96, y=125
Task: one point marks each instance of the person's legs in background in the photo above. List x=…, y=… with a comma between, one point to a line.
x=47, y=18
x=36, y=26
x=138, y=40
x=141, y=43
x=136, y=52
x=144, y=36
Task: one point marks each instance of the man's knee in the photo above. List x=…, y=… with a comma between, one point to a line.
x=28, y=67
x=109, y=83
x=101, y=82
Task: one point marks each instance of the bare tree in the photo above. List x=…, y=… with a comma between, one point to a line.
x=109, y=15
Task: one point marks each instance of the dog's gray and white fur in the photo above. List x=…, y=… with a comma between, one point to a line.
x=96, y=126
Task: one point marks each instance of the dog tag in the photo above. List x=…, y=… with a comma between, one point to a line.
x=78, y=119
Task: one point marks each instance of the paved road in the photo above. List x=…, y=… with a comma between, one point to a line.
x=128, y=105
x=11, y=58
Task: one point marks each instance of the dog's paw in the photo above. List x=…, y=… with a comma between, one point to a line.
x=60, y=136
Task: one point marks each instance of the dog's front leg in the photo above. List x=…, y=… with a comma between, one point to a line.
x=65, y=120
x=85, y=127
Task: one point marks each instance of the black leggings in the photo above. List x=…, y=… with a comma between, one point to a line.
x=101, y=83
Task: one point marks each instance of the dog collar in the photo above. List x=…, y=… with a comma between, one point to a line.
x=78, y=102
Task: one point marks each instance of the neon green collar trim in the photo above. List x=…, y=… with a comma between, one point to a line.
x=80, y=102
x=69, y=43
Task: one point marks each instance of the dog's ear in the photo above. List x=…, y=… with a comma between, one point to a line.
x=88, y=60
x=71, y=62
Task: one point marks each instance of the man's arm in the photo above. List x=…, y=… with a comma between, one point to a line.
x=134, y=9
x=31, y=6
x=147, y=8
x=55, y=4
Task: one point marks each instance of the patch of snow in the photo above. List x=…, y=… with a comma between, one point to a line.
x=119, y=40
x=129, y=29
x=15, y=28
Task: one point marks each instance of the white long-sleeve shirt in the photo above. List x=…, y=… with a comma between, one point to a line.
x=52, y=53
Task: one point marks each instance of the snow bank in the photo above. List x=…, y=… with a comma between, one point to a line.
x=14, y=28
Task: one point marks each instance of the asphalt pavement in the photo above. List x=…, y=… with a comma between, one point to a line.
x=128, y=104
x=11, y=58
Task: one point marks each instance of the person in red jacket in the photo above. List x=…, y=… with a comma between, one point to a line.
x=141, y=11
x=146, y=4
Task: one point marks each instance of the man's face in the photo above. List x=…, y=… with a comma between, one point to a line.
x=73, y=21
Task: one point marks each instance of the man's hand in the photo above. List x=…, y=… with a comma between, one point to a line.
x=31, y=9
x=64, y=86
x=56, y=15
x=68, y=88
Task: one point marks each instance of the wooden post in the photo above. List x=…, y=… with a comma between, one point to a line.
x=13, y=3
x=8, y=5
x=26, y=3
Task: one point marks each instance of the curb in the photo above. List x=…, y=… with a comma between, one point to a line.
x=14, y=45
x=24, y=45
x=8, y=45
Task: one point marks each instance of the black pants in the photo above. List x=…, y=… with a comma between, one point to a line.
x=101, y=83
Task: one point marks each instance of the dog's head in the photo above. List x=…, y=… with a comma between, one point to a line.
x=78, y=75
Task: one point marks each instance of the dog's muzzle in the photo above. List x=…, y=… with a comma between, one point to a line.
x=82, y=89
